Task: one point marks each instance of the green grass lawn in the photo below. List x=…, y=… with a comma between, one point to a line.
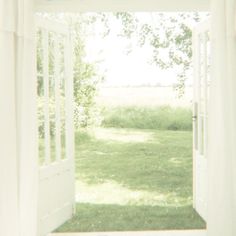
x=132, y=179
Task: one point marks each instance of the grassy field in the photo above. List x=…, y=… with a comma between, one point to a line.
x=135, y=173
x=145, y=108
x=132, y=179
x=159, y=118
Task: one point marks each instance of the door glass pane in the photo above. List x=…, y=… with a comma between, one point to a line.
x=40, y=98
x=62, y=97
x=52, y=108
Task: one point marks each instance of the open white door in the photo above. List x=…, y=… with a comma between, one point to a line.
x=55, y=122
x=201, y=57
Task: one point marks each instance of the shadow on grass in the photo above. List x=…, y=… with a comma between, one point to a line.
x=103, y=217
x=138, y=183
x=163, y=163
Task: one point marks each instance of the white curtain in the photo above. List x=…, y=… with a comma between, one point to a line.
x=8, y=160
x=18, y=139
x=222, y=121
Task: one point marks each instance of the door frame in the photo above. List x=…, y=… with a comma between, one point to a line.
x=123, y=5
x=74, y=6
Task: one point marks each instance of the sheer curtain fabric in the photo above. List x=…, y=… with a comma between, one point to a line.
x=18, y=152
x=222, y=121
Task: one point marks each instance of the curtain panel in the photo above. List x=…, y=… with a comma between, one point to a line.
x=18, y=133
x=8, y=158
x=222, y=122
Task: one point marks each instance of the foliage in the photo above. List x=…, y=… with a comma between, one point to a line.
x=86, y=78
x=162, y=118
x=86, y=81
x=170, y=37
x=168, y=34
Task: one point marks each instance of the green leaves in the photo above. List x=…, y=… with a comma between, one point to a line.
x=169, y=35
x=86, y=78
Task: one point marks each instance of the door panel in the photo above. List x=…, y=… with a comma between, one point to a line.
x=56, y=135
x=201, y=57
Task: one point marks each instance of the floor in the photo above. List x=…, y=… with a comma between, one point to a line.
x=144, y=233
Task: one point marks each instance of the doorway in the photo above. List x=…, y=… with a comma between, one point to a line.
x=124, y=135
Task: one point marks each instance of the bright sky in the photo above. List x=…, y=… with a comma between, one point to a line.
x=121, y=69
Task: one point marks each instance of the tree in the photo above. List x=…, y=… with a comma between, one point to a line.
x=170, y=37
x=86, y=78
